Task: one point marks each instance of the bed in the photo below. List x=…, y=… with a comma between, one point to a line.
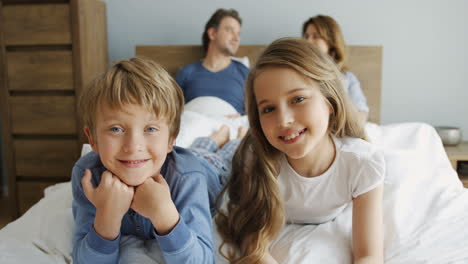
x=425, y=204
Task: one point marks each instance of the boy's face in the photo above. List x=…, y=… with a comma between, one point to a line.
x=132, y=142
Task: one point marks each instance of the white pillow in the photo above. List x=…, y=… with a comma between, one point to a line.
x=193, y=125
x=85, y=149
x=56, y=223
x=244, y=60
x=210, y=106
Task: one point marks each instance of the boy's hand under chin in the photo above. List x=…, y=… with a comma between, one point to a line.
x=153, y=200
x=112, y=199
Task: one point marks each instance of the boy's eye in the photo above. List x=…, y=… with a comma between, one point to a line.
x=298, y=99
x=151, y=129
x=115, y=129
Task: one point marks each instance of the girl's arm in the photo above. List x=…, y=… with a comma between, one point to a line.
x=367, y=227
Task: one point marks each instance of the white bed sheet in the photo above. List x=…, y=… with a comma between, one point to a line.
x=425, y=209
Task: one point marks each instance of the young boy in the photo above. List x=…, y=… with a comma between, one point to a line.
x=135, y=182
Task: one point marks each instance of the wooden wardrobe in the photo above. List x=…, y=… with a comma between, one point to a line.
x=49, y=51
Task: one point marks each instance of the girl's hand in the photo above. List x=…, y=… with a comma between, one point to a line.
x=153, y=200
x=112, y=199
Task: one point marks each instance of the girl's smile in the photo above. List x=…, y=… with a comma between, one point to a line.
x=294, y=115
x=292, y=137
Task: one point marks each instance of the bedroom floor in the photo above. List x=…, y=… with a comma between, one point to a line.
x=5, y=217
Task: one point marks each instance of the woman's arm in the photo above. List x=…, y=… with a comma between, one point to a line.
x=356, y=94
x=367, y=227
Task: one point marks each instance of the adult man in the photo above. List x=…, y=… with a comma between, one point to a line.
x=217, y=74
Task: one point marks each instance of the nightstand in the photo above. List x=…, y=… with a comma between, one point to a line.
x=456, y=154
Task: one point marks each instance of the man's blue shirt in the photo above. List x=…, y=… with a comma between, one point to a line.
x=227, y=84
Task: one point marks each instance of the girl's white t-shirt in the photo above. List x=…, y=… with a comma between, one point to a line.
x=358, y=167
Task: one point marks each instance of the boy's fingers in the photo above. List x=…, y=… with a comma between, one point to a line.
x=160, y=179
x=107, y=177
x=88, y=187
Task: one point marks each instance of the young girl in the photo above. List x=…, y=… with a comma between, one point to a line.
x=325, y=33
x=303, y=160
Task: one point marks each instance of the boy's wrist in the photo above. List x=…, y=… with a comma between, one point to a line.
x=164, y=223
x=105, y=226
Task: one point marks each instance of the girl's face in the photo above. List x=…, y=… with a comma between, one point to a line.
x=314, y=37
x=293, y=112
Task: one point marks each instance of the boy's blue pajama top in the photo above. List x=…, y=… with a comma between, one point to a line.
x=191, y=240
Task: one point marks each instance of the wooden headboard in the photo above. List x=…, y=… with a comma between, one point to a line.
x=364, y=61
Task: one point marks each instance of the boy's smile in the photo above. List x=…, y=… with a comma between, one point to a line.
x=132, y=142
x=134, y=163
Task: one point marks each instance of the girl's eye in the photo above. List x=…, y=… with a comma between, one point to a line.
x=267, y=110
x=151, y=129
x=115, y=129
x=298, y=99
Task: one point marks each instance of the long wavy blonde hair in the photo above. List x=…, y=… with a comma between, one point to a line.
x=254, y=213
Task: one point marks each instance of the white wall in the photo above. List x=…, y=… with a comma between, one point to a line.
x=425, y=59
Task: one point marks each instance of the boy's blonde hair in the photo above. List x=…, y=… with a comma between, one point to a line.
x=255, y=212
x=135, y=81
x=330, y=31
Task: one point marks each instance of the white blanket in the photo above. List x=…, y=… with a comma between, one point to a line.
x=425, y=210
x=425, y=207
x=203, y=116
